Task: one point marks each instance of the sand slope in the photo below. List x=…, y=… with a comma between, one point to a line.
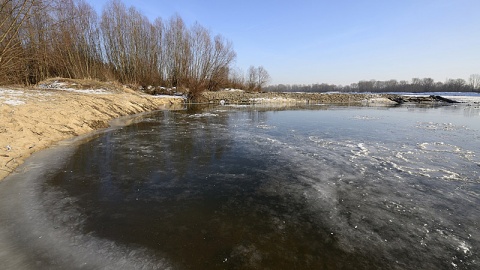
x=33, y=119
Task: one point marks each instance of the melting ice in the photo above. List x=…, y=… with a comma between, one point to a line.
x=251, y=188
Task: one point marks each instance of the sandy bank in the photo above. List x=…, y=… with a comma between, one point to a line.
x=33, y=119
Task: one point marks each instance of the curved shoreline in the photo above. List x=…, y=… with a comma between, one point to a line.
x=32, y=119
x=32, y=238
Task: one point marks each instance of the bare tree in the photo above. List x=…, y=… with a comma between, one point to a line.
x=38, y=39
x=177, y=51
x=391, y=85
x=223, y=56
x=262, y=77
x=75, y=38
x=366, y=86
x=252, y=78
x=474, y=81
x=236, y=78
x=416, y=85
x=41, y=39
x=13, y=14
x=159, y=50
x=427, y=84
x=257, y=78
x=201, y=57
x=455, y=85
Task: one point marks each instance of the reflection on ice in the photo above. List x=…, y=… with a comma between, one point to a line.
x=388, y=197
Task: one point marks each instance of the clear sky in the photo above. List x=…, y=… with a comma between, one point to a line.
x=338, y=41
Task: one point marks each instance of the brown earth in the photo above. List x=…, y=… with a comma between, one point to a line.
x=33, y=119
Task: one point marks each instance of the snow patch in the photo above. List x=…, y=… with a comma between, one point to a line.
x=14, y=102
x=233, y=90
x=4, y=92
x=380, y=101
x=62, y=86
x=273, y=100
x=86, y=91
x=167, y=96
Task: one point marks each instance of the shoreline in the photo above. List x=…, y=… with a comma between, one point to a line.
x=241, y=97
x=35, y=119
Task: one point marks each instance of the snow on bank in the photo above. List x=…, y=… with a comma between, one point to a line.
x=167, y=96
x=378, y=101
x=34, y=119
x=4, y=92
x=62, y=86
x=14, y=102
x=11, y=97
x=233, y=90
x=18, y=97
x=273, y=100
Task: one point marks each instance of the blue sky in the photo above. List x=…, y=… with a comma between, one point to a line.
x=339, y=42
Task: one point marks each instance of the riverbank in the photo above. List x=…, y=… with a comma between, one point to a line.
x=241, y=97
x=292, y=98
x=33, y=119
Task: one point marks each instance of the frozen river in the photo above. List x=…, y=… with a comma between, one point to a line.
x=318, y=187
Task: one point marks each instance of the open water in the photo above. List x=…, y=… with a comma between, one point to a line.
x=317, y=187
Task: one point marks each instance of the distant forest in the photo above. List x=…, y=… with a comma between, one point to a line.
x=415, y=86
x=41, y=39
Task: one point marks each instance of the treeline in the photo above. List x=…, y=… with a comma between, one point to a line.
x=416, y=85
x=40, y=39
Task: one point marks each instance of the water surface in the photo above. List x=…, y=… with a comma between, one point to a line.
x=319, y=187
